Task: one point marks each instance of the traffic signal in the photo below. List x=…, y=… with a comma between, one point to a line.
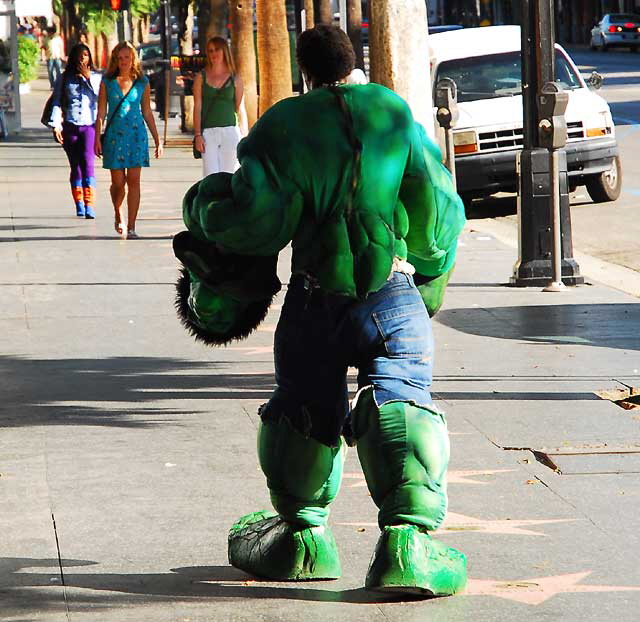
x=119, y=5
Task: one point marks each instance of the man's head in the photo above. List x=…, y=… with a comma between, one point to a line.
x=325, y=55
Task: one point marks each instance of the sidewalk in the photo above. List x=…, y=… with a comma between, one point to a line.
x=127, y=450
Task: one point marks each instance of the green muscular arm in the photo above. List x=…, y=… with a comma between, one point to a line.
x=435, y=217
x=252, y=212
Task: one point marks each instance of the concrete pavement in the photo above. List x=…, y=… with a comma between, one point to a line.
x=127, y=450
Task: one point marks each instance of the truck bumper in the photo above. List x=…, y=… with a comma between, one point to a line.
x=488, y=173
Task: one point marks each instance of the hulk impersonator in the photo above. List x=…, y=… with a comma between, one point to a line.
x=347, y=177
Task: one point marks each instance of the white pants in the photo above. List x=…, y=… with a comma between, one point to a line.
x=220, y=145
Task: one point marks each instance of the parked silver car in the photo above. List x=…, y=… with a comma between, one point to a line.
x=616, y=30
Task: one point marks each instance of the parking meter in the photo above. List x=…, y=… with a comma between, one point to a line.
x=446, y=101
x=552, y=104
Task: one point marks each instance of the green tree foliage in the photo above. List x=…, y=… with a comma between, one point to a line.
x=99, y=18
x=142, y=8
x=28, y=54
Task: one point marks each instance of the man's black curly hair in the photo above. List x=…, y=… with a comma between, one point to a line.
x=325, y=54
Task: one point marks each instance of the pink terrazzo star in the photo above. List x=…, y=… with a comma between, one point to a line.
x=459, y=523
x=540, y=589
x=453, y=477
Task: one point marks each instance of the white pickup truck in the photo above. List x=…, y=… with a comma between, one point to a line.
x=485, y=65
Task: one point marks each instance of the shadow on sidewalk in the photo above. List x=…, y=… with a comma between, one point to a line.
x=44, y=238
x=118, y=391
x=205, y=582
x=600, y=325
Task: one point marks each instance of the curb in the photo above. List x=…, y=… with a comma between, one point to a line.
x=606, y=273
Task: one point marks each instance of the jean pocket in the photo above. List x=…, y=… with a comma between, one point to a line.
x=405, y=331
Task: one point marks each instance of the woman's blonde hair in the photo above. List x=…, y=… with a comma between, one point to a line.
x=112, y=69
x=219, y=43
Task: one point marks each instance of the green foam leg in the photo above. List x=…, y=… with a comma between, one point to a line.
x=404, y=452
x=303, y=475
x=294, y=543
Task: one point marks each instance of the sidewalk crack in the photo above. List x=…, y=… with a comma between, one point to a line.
x=64, y=585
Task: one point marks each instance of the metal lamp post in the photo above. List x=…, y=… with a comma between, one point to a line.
x=536, y=187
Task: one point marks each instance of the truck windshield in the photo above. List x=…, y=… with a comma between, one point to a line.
x=497, y=75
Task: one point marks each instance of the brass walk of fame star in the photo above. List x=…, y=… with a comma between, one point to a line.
x=459, y=523
x=540, y=589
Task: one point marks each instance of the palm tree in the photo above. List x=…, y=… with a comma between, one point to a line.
x=308, y=12
x=274, y=58
x=322, y=11
x=354, y=29
x=244, y=53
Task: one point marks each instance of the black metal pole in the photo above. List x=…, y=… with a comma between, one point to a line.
x=166, y=54
x=534, y=265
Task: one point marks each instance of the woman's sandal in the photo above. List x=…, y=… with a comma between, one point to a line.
x=118, y=226
x=132, y=235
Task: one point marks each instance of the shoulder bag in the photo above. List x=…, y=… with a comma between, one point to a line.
x=115, y=111
x=48, y=107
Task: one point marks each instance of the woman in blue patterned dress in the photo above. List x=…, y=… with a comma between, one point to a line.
x=124, y=99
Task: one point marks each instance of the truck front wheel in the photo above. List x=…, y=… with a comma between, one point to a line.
x=606, y=186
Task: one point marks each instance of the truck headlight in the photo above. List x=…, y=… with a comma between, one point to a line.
x=465, y=142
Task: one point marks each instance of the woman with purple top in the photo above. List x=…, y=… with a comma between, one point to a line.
x=73, y=117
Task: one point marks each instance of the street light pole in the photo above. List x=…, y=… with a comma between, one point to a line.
x=536, y=188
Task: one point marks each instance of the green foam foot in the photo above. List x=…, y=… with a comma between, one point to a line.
x=264, y=545
x=409, y=561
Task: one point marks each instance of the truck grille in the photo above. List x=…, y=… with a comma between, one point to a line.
x=508, y=139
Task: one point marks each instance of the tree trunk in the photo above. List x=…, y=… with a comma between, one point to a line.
x=244, y=53
x=92, y=44
x=354, y=29
x=308, y=14
x=274, y=58
x=185, y=26
x=185, y=41
x=135, y=32
x=322, y=11
x=111, y=41
x=145, y=22
x=397, y=43
x=218, y=19
x=101, y=44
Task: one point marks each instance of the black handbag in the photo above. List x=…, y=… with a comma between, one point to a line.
x=46, y=111
x=48, y=106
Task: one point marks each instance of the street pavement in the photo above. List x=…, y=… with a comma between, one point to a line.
x=127, y=449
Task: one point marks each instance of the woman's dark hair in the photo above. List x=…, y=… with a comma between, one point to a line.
x=325, y=54
x=73, y=62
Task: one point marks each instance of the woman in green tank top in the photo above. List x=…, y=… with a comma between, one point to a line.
x=219, y=116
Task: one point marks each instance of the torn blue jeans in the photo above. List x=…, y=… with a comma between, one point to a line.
x=387, y=337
